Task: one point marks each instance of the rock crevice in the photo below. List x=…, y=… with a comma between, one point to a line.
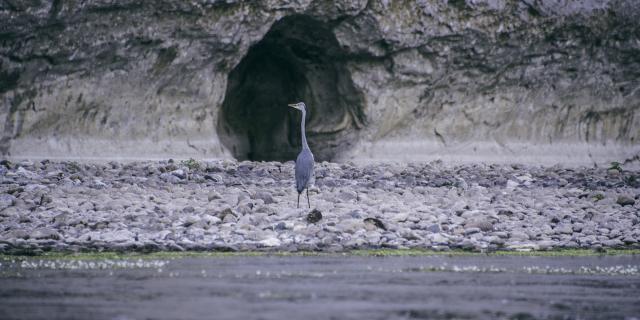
x=299, y=59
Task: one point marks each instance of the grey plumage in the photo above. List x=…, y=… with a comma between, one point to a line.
x=304, y=162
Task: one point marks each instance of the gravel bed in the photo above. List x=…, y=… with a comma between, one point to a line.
x=229, y=205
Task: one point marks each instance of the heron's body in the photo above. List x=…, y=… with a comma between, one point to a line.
x=304, y=162
x=304, y=166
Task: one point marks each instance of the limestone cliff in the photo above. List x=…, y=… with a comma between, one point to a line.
x=528, y=80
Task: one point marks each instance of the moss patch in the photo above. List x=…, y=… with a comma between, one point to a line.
x=549, y=253
x=360, y=253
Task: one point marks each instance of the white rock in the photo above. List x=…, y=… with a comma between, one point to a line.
x=270, y=242
x=117, y=236
x=512, y=184
x=438, y=238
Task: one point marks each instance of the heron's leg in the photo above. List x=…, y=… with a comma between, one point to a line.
x=298, y=200
x=308, y=201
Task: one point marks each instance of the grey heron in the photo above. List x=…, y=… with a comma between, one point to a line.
x=304, y=162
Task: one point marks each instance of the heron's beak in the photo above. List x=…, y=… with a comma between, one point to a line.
x=295, y=105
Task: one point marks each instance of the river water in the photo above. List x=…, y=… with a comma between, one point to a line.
x=323, y=287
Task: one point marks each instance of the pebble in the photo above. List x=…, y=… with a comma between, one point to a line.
x=625, y=201
x=45, y=233
x=179, y=173
x=470, y=231
x=270, y=242
x=252, y=205
x=265, y=197
x=512, y=184
x=6, y=200
x=374, y=222
x=519, y=235
x=117, y=236
x=438, y=239
x=434, y=228
x=314, y=216
x=483, y=225
x=169, y=178
x=213, y=195
x=230, y=218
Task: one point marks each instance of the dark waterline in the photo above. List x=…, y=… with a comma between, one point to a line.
x=323, y=287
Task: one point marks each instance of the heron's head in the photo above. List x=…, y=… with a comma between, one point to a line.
x=300, y=106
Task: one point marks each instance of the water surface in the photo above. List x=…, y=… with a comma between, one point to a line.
x=323, y=287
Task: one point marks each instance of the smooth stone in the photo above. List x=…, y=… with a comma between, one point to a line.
x=280, y=226
x=270, y=242
x=211, y=220
x=512, y=184
x=547, y=244
x=213, y=177
x=523, y=247
x=615, y=233
x=98, y=184
x=9, y=212
x=434, y=228
x=505, y=212
x=15, y=234
x=225, y=212
x=190, y=221
x=188, y=209
x=518, y=235
x=375, y=223
x=484, y=225
x=230, y=218
x=438, y=238
x=400, y=217
x=613, y=243
x=45, y=233
x=494, y=240
x=355, y=214
x=470, y=231
x=213, y=195
x=6, y=200
x=501, y=234
x=264, y=196
x=314, y=216
x=467, y=244
x=409, y=235
x=625, y=201
x=563, y=229
x=117, y=236
x=179, y=173
x=347, y=195
x=168, y=177
x=577, y=227
x=61, y=219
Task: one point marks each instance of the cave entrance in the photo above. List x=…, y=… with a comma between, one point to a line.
x=299, y=59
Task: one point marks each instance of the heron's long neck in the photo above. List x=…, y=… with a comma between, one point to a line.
x=304, y=135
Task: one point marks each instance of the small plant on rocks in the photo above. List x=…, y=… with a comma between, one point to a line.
x=632, y=181
x=615, y=166
x=192, y=164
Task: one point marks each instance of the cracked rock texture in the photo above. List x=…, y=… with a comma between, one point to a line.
x=530, y=80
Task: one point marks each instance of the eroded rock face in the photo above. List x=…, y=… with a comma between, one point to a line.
x=382, y=79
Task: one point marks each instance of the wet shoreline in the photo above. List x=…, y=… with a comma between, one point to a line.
x=322, y=287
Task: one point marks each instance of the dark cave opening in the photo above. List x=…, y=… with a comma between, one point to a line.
x=299, y=59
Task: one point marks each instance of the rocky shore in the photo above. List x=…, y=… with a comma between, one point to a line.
x=228, y=205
